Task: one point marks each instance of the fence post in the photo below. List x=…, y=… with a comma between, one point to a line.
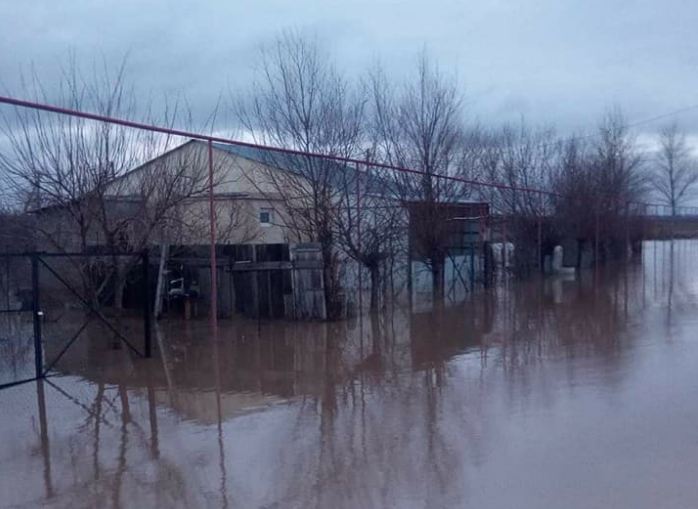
x=212, y=240
x=145, y=265
x=36, y=317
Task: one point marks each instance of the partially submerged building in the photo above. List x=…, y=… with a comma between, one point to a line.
x=267, y=263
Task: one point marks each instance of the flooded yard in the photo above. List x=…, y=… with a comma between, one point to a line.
x=562, y=393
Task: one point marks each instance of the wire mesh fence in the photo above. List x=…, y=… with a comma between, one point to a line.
x=69, y=311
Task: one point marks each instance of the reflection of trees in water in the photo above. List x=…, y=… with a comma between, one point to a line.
x=375, y=442
x=671, y=287
x=104, y=461
x=588, y=321
x=670, y=262
x=384, y=410
x=378, y=415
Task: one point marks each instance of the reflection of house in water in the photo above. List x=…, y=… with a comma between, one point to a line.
x=251, y=367
x=418, y=407
x=255, y=365
x=208, y=407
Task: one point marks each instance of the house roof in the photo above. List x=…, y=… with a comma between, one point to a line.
x=283, y=160
x=118, y=178
x=338, y=175
x=374, y=182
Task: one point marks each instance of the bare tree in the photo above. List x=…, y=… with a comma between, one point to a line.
x=620, y=180
x=518, y=157
x=522, y=159
x=588, y=185
x=370, y=225
x=576, y=190
x=301, y=101
x=596, y=182
x=75, y=177
x=675, y=172
x=617, y=161
x=420, y=126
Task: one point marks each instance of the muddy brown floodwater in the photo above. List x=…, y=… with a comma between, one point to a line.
x=560, y=393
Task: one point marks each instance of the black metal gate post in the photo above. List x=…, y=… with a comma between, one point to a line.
x=145, y=263
x=36, y=317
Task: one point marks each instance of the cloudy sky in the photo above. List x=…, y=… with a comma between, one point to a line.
x=551, y=61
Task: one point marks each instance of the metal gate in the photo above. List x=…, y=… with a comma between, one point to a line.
x=49, y=302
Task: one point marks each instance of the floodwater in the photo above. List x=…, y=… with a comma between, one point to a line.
x=562, y=393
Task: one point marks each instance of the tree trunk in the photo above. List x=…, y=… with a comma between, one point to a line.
x=437, y=273
x=119, y=282
x=160, y=288
x=374, y=270
x=333, y=309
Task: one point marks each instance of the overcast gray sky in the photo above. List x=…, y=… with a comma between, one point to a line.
x=556, y=61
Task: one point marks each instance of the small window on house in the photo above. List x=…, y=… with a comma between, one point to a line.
x=265, y=217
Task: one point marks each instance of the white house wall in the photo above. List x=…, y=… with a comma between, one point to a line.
x=241, y=190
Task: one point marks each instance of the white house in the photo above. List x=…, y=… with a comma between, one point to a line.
x=262, y=199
